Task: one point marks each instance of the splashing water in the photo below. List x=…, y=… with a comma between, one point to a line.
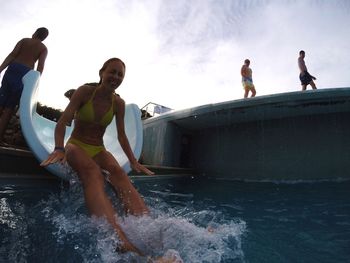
x=59, y=227
x=191, y=221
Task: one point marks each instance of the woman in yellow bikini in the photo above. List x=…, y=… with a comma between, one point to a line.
x=93, y=108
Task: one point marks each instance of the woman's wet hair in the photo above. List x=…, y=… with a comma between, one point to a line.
x=105, y=65
x=68, y=94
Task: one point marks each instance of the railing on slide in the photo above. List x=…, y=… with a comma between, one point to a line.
x=152, y=109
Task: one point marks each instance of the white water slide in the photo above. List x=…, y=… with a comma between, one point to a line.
x=39, y=131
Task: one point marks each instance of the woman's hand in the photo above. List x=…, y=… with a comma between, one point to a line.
x=54, y=157
x=136, y=166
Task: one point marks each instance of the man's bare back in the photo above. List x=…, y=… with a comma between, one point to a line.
x=21, y=59
x=28, y=51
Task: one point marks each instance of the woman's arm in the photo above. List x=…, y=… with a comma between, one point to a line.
x=60, y=130
x=123, y=139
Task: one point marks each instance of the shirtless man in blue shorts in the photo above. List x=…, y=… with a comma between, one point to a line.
x=22, y=59
x=305, y=77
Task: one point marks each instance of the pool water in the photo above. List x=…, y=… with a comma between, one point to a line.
x=201, y=220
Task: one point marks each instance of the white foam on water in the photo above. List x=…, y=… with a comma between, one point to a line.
x=156, y=236
x=16, y=246
x=194, y=236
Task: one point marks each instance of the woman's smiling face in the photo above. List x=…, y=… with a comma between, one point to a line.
x=113, y=75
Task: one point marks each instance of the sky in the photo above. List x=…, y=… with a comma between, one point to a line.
x=183, y=53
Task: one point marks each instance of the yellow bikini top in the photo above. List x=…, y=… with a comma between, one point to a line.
x=87, y=114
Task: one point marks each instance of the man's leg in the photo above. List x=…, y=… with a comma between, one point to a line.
x=313, y=85
x=4, y=120
x=246, y=91
x=253, y=92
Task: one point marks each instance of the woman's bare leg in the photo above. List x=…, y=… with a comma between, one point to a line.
x=132, y=201
x=96, y=199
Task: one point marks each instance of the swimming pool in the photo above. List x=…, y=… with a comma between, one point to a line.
x=204, y=220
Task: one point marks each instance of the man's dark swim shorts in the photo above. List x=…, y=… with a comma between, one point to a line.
x=12, y=85
x=305, y=78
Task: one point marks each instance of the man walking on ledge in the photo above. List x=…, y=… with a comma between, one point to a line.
x=305, y=76
x=247, y=79
x=21, y=60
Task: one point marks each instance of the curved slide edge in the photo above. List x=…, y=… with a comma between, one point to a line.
x=39, y=131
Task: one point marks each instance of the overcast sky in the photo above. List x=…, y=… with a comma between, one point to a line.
x=183, y=53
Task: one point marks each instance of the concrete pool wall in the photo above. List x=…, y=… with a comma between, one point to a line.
x=288, y=136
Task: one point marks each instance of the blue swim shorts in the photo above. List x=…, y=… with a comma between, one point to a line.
x=305, y=78
x=12, y=85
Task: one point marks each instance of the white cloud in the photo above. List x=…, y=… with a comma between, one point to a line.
x=183, y=53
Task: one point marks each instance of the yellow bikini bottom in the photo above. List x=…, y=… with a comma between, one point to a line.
x=91, y=150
